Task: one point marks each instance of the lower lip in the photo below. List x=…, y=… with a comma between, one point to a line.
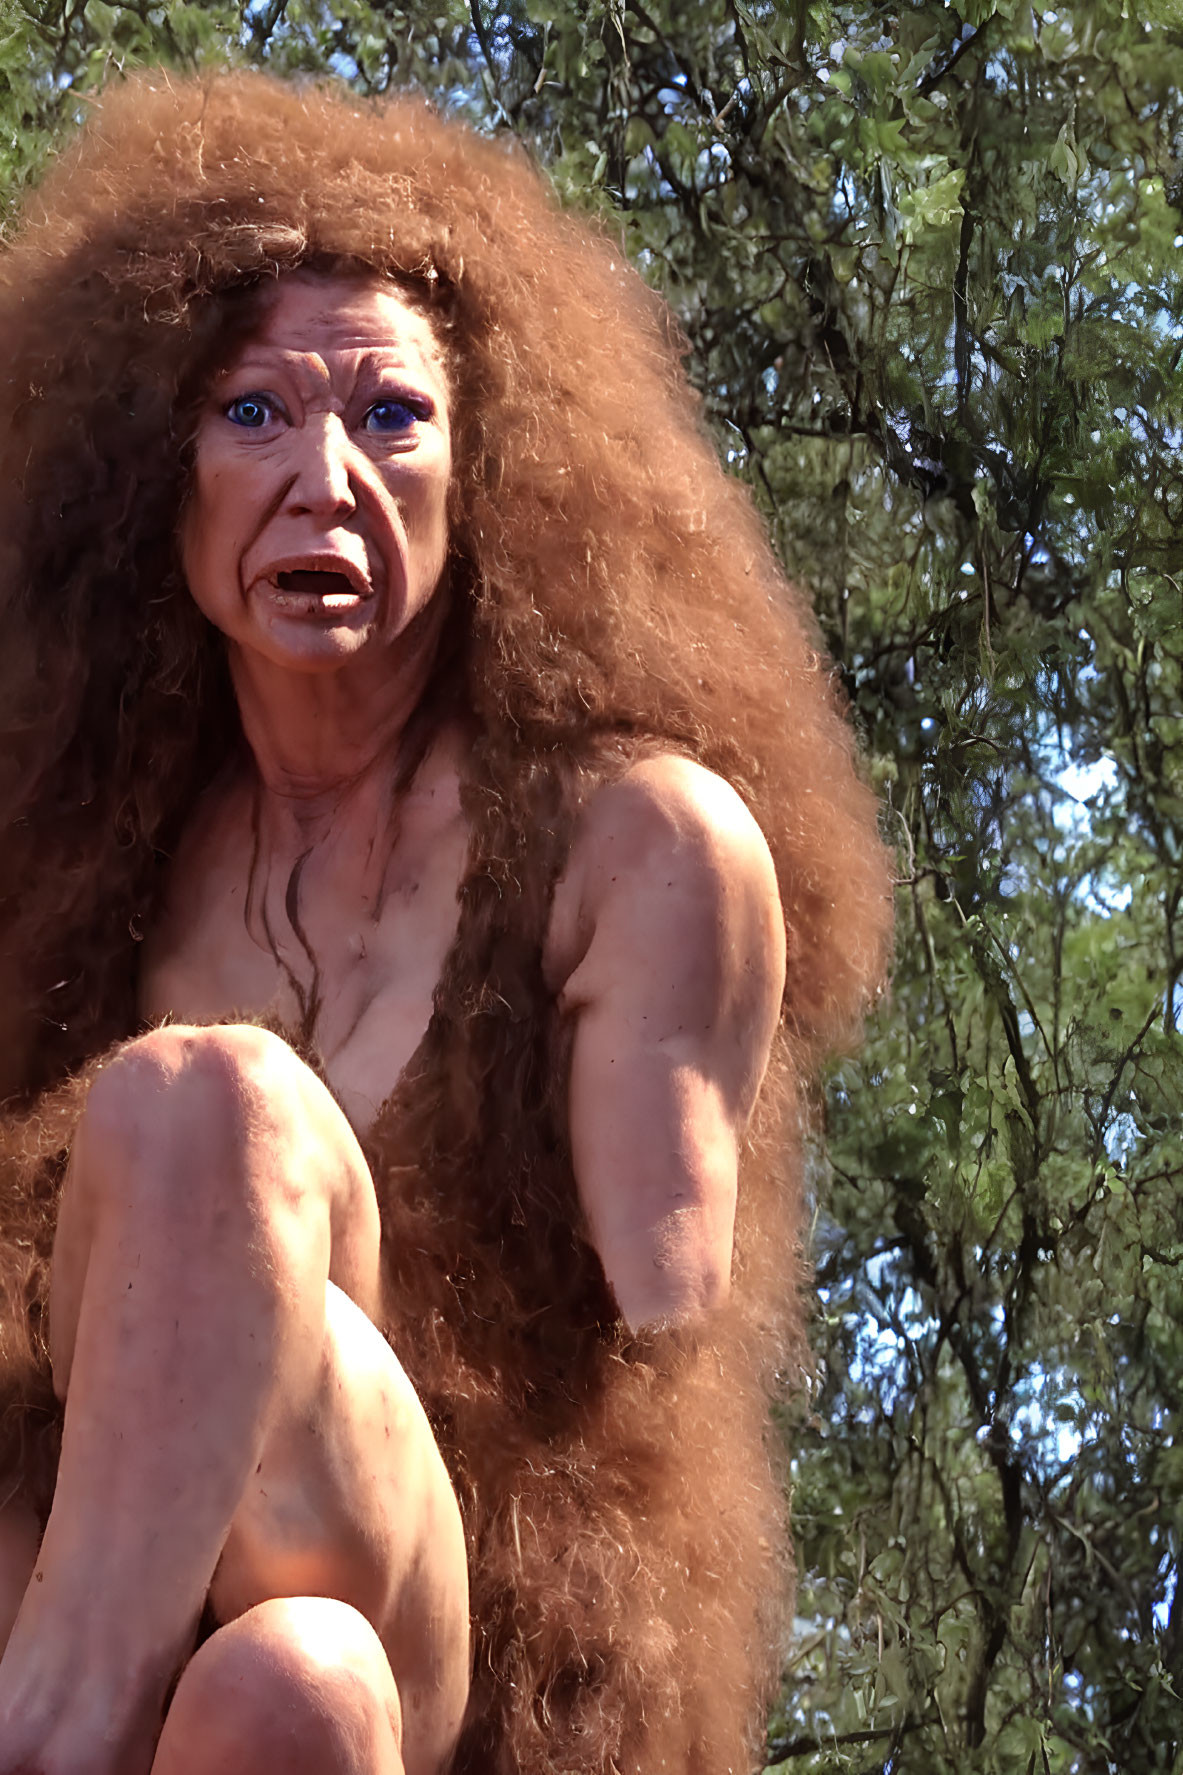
x=313, y=603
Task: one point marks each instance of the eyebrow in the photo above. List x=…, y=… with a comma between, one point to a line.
x=373, y=359
x=367, y=354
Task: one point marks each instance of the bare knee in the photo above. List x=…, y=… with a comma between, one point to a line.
x=199, y=1138
x=219, y=1081
x=215, y=1095
x=293, y=1686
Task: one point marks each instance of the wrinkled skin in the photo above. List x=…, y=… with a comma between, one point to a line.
x=239, y=1439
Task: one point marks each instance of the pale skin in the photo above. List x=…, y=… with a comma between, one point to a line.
x=237, y=1432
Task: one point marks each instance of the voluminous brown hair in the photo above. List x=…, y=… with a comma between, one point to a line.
x=613, y=593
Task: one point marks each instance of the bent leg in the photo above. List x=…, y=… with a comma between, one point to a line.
x=214, y=1191
x=299, y=1687
x=351, y=1499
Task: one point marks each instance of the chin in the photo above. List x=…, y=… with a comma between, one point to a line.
x=310, y=648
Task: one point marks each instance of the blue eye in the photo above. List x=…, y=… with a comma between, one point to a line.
x=250, y=410
x=393, y=415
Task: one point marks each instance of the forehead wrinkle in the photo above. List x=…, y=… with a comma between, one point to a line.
x=343, y=330
x=268, y=354
x=365, y=315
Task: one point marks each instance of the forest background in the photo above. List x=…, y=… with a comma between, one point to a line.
x=930, y=265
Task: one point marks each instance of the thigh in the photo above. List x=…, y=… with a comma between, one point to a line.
x=190, y=1107
x=352, y=1501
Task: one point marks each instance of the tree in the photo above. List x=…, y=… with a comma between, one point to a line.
x=927, y=262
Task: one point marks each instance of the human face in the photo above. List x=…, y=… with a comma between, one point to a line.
x=316, y=529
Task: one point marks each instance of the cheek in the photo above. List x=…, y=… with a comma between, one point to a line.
x=442, y=501
x=206, y=531
x=436, y=546
x=427, y=514
x=194, y=538
x=191, y=505
x=441, y=517
x=189, y=541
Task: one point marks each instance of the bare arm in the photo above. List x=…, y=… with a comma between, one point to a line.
x=667, y=950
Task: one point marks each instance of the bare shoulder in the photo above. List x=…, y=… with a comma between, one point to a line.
x=666, y=953
x=671, y=834
x=670, y=799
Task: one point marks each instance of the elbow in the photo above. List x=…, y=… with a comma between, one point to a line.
x=712, y=1288
x=685, y=1297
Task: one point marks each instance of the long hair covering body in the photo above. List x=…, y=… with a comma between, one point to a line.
x=613, y=594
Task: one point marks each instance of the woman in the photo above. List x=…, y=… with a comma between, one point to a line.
x=390, y=663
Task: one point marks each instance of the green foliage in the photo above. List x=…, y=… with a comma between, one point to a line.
x=928, y=263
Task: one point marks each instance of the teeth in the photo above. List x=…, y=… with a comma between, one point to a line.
x=315, y=589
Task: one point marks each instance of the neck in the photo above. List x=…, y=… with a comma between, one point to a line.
x=316, y=737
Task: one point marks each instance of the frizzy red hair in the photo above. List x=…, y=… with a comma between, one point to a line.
x=613, y=593
x=620, y=583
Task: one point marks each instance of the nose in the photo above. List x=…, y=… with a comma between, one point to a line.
x=324, y=480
